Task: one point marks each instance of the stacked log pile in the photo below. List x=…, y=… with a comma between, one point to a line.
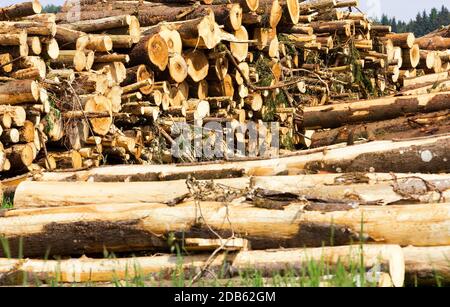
x=115, y=88
x=113, y=81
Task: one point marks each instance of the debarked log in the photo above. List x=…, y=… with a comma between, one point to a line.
x=132, y=227
x=373, y=110
x=417, y=188
x=424, y=155
x=388, y=257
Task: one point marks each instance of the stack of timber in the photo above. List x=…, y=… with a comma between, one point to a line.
x=117, y=80
x=111, y=82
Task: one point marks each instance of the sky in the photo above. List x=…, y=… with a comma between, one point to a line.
x=400, y=9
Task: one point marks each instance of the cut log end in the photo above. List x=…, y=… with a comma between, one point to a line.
x=240, y=50
x=178, y=68
x=198, y=65
x=158, y=52
x=99, y=104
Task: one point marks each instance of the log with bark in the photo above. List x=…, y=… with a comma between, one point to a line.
x=333, y=116
x=415, y=155
x=132, y=227
x=415, y=126
x=388, y=257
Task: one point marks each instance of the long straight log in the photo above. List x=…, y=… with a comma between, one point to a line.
x=132, y=227
x=416, y=155
x=373, y=110
x=419, y=125
x=54, y=194
x=388, y=257
x=434, y=43
x=20, y=10
x=17, y=92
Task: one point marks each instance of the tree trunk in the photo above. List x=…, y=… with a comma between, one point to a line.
x=100, y=25
x=434, y=43
x=67, y=38
x=20, y=156
x=388, y=257
x=416, y=155
x=333, y=116
x=412, y=189
x=17, y=114
x=138, y=74
x=132, y=227
x=20, y=10
x=101, y=43
x=240, y=50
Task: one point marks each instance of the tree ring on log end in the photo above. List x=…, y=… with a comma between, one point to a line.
x=158, y=52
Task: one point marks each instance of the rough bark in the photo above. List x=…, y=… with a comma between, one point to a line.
x=373, y=110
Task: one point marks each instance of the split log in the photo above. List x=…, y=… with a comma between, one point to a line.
x=416, y=155
x=372, y=110
x=403, y=40
x=131, y=227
